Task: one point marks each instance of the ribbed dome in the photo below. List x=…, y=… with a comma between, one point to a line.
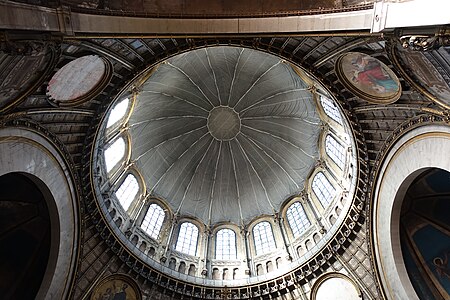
x=224, y=133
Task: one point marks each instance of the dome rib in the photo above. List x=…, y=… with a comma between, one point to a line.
x=189, y=78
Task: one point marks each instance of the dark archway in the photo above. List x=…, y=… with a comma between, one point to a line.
x=25, y=237
x=425, y=234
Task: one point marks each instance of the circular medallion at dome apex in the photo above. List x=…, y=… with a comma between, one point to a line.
x=223, y=123
x=224, y=133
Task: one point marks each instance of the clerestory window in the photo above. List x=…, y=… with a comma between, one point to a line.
x=187, y=239
x=263, y=237
x=118, y=112
x=153, y=220
x=297, y=218
x=335, y=151
x=323, y=189
x=127, y=191
x=114, y=153
x=226, y=244
x=331, y=109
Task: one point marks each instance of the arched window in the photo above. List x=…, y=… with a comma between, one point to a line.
x=127, y=191
x=187, y=239
x=323, y=189
x=114, y=153
x=153, y=220
x=330, y=109
x=118, y=112
x=263, y=236
x=297, y=218
x=335, y=151
x=226, y=244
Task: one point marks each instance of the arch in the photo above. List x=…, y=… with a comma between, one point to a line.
x=143, y=246
x=192, y=270
x=34, y=156
x=225, y=274
x=259, y=270
x=235, y=273
x=182, y=267
x=278, y=262
x=399, y=169
x=172, y=263
x=269, y=266
x=215, y=274
x=24, y=236
x=337, y=286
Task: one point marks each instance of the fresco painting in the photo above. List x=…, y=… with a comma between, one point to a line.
x=368, y=78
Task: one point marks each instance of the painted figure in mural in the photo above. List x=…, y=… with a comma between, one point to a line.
x=442, y=267
x=121, y=294
x=369, y=72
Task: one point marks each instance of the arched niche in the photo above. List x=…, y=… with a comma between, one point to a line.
x=425, y=233
x=30, y=154
x=415, y=152
x=335, y=286
x=25, y=234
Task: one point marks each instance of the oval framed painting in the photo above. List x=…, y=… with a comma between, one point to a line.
x=368, y=78
x=79, y=80
x=116, y=287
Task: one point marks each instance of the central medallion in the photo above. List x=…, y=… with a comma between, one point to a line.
x=224, y=123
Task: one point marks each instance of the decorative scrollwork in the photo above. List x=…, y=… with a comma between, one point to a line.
x=424, y=42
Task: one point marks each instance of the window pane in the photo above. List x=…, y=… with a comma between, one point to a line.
x=335, y=151
x=263, y=235
x=118, y=112
x=114, y=153
x=187, y=239
x=153, y=220
x=323, y=189
x=297, y=218
x=225, y=244
x=330, y=109
x=127, y=191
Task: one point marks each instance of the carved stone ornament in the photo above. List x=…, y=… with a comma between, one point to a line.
x=424, y=42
